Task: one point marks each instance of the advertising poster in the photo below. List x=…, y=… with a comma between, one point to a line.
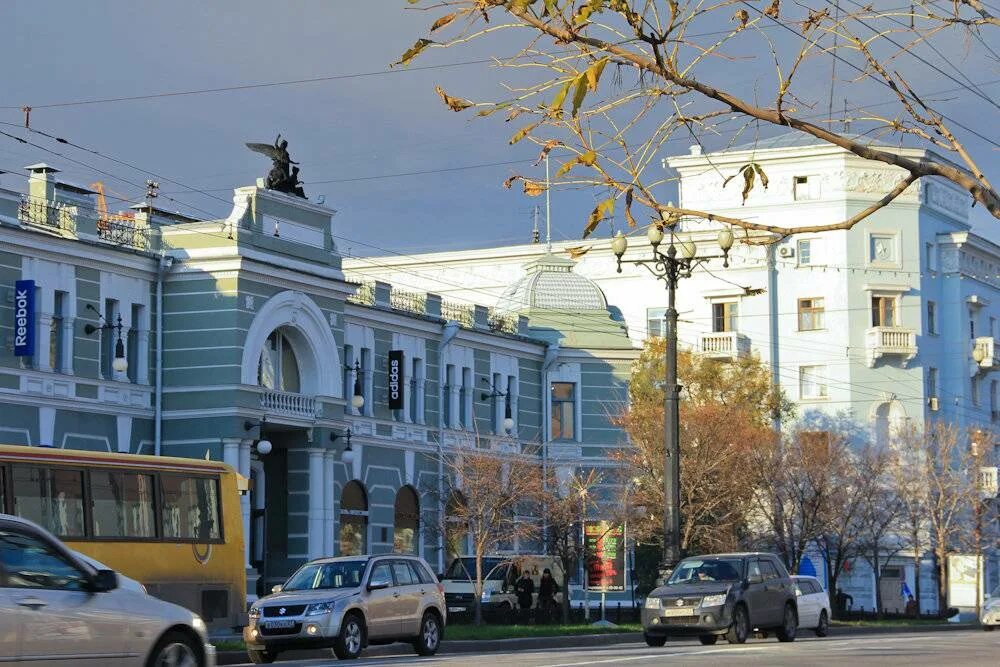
x=24, y=318
x=605, y=548
x=396, y=380
x=962, y=580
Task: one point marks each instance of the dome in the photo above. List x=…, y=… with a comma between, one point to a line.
x=549, y=282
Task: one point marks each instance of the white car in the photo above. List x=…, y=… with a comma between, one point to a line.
x=989, y=616
x=813, y=604
x=123, y=581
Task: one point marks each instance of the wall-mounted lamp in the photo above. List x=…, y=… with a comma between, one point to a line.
x=508, y=419
x=358, y=399
x=348, y=454
x=120, y=363
x=263, y=444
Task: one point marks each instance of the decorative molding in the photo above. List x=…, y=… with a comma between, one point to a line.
x=946, y=199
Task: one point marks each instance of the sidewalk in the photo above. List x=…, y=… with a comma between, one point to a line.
x=575, y=641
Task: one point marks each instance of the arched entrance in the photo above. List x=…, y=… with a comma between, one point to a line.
x=406, y=531
x=353, y=519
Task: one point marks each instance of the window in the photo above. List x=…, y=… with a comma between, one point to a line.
x=563, y=411
x=812, y=382
x=133, y=348
x=972, y=328
x=190, y=508
x=806, y=188
x=417, y=392
x=278, y=369
x=421, y=573
x=882, y=249
x=810, y=314
x=366, y=380
x=993, y=327
x=805, y=252
x=349, y=377
x=353, y=519
x=122, y=504
x=883, y=311
x=56, y=342
x=767, y=571
x=497, y=405
x=449, y=390
x=407, y=521
x=381, y=573
x=465, y=400
x=932, y=383
x=404, y=576
x=929, y=257
x=931, y=317
x=108, y=338
x=975, y=391
x=51, y=497
x=31, y=563
x=512, y=400
x=993, y=400
x=655, y=325
x=724, y=316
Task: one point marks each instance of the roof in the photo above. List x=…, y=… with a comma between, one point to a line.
x=796, y=139
x=549, y=282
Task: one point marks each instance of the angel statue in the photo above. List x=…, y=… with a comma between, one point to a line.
x=281, y=177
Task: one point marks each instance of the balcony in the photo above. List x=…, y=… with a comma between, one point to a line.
x=289, y=404
x=986, y=482
x=984, y=354
x=890, y=341
x=43, y=214
x=724, y=345
x=124, y=231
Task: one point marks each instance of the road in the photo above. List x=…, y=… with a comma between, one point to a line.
x=910, y=649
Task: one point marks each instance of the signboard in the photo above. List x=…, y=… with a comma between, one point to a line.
x=24, y=318
x=396, y=380
x=605, y=549
x=962, y=571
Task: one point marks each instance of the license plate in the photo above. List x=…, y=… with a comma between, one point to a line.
x=678, y=611
x=277, y=625
x=456, y=609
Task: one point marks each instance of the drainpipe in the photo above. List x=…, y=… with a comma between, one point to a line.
x=164, y=267
x=551, y=353
x=448, y=334
x=772, y=320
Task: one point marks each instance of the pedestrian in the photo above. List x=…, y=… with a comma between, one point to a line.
x=547, y=590
x=912, y=608
x=841, y=603
x=525, y=589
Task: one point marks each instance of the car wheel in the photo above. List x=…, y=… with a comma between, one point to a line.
x=740, y=628
x=824, y=625
x=429, y=639
x=654, y=640
x=786, y=633
x=261, y=656
x=351, y=638
x=175, y=650
x=708, y=640
x=988, y=628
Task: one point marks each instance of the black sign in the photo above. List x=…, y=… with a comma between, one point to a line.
x=605, y=543
x=396, y=381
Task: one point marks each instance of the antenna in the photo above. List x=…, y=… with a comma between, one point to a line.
x=534, y=231
x=548, y=208
x=833, y=61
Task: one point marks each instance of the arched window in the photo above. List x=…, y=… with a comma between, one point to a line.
x=407, y=524
x=353, y=519
x=456, y=527
x=278, y=369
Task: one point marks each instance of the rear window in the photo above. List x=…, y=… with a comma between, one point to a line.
x=464, y=569
x=190, y=508
x=421, y=573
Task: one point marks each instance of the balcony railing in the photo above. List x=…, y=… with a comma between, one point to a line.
x=287, y=403
x=42, y=213
x=724, y=345
x=464, y=315
x=985, y=346
x=408, y=302
x=890, y=341
x=365, y=295
x=502, y=322
x=123, y=232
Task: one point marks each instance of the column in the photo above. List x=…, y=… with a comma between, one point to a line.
x=142, y=356
x=243, y=467
x=67, y=344
x=329, y=502
x=231, y=457
x=315, y=502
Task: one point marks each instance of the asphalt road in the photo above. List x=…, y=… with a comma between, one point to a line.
x=910, y=649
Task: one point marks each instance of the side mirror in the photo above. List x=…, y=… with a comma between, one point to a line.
x=378, y=584
x=755, y=579
x=798, y=592
x=276, y=588
x=103, y=581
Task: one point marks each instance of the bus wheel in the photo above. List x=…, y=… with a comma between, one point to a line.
x=262, y=656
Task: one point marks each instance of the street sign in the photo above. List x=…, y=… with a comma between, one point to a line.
x=24, y=318
x=605, y=549
x=396, y=380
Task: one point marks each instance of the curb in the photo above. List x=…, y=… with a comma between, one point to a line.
x=567, y=641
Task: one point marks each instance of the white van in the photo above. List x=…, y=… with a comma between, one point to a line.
x=500, y=575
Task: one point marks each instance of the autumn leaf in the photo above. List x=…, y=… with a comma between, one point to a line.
x=533, y=188
x=551, y=8
x=748, y=178
x=549, y=145
x=566, y=166
x=454, y=103
x=593, y=73
x=522, y=133
x=760, y=172
x=628, y=208
x=510, y=181
x=588, y=158
x=815, y=18
x=413, y=52
x=604, y=209
x=742, y=16
x=578, y=251
x=580, y=93
x=773, y=9
x=444, y=20
x=555, y=109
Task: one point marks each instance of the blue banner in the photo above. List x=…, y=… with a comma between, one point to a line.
x=24, y=318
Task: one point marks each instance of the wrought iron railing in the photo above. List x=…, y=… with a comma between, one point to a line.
x=464, y=315
x=45, y=214
x=502, y=322
x=410, y=302
x=123, y=232
x=365, y=295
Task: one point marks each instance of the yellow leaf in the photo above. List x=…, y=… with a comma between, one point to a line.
x=578, y=251
x=549, y=145
x=413, y=52
x=580, y=93
x=748, y=177
x=594, y=73
x=555, y=109
x=533, y=188
x=454, y=103
x=443, y=21
x=593, y=221
x=510, y=181
x=567, y=165
x=742, y=16
x=588, y=158
x=522, y=133
x=760, y=172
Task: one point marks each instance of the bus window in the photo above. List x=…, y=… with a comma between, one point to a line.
x=190, y=508
x=3, y=490
x=122, y=504
x=51, y=497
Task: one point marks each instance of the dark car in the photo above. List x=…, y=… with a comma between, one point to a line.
x=722, y=594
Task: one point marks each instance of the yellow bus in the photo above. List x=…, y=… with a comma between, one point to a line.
x=173, y=524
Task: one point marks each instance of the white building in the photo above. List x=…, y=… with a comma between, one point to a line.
x=865, y=329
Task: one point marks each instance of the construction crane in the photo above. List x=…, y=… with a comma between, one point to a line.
x=105, y=220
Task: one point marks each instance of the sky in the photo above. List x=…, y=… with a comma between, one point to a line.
x=354, y=136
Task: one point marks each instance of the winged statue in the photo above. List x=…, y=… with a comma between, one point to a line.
x=282, y=177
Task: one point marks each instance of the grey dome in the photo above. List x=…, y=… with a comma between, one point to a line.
x=549, y=282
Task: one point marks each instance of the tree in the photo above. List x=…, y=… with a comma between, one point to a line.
x=564, y=505
x=492, y=498
x=610, y=133
x=880, y=512
x=909, y=485
x=725, y=414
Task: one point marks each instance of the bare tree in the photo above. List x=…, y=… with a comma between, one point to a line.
x=565, y=505
x=488, y=496
x=909, y=483
x=879, y=519
x=610, y=130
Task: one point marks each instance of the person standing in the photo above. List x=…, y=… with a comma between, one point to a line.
x=547, y=590
x=525, y=589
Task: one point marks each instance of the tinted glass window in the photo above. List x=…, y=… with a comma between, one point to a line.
x=404, y=577
x=190, y=508
x=30, y=563
x=754, y=569
x=464, y=569
x=51, y=497
x=122, y=504
x=382, y=572
x=340, y=574
x=767, y=570
x=420, y=573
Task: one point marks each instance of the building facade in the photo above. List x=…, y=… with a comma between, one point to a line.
x=241, y=340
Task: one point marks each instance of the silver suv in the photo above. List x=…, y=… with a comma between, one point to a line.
x=348, y=603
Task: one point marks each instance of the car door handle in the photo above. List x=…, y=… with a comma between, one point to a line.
x=34, y=603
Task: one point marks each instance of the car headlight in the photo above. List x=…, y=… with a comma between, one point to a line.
x=714, y=600
x=317, y=608
x=653, y=603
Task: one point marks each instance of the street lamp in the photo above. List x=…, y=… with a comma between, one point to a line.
x=347, y=456
x=670, y=268
x=508, y=419
x=263, y=444
x=119, y=364
x=358, y=399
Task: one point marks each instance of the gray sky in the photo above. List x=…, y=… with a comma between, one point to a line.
x=363, y=127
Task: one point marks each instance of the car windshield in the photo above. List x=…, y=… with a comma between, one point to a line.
x=322, y=576
x=706, y=569
x=464, y=569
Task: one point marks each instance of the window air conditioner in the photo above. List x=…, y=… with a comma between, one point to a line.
x=786, y=251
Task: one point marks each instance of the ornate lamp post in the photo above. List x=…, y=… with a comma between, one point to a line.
x=670, y=268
